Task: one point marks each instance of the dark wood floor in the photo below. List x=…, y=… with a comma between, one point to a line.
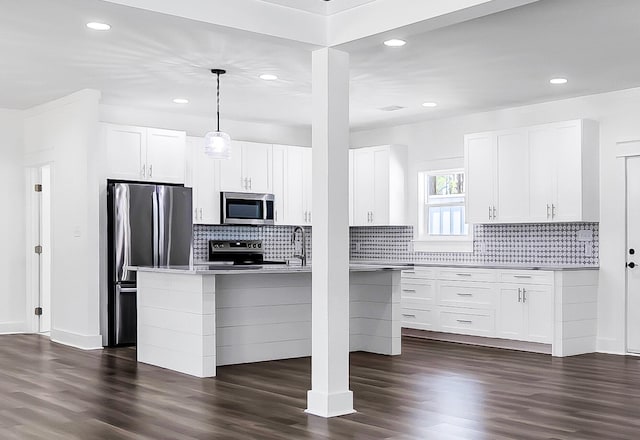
x=435, y=390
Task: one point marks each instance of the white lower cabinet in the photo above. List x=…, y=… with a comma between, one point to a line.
x=523, y=305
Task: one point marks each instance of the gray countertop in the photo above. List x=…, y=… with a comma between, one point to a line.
x=225, y=269
x=483, y=266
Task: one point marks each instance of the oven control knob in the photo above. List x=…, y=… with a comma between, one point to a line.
x=260, y=245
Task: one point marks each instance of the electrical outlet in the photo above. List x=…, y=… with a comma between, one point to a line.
x=588, y=249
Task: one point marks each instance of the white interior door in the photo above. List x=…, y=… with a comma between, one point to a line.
x=633, y=247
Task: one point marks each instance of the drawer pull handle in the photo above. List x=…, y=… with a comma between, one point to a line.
x=465, y=321
x=465, y=294
x=408, y=271
x=408, y=290
x=522, y=276
x=463, y=274
x=408, y=315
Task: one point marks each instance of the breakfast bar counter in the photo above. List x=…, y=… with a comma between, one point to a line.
x=194, y=318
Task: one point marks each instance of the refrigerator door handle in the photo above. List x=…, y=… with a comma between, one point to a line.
x=156, y=224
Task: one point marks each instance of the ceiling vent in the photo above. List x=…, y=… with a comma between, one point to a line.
x=392, y=108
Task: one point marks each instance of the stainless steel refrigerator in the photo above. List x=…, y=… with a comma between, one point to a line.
x=149, y=225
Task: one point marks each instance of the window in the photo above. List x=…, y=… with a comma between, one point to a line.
x=441, y=217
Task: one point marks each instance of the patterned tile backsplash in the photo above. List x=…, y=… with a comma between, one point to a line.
x=276, y=239
x=526, y=244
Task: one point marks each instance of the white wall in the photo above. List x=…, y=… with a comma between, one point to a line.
x=199, y=126
x=64, y=133
x=12, y=225
x=617, y=113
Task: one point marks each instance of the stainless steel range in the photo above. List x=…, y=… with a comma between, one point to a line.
x=236, y=251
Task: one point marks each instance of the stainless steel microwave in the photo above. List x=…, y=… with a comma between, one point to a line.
x=246, y=208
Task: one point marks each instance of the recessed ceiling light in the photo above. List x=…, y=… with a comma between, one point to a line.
x=429, y=104
x=181, y=101
x=96, y=26
x=395, y=43
x=558, y=81
x=268, y=77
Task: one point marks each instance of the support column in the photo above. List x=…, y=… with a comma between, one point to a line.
x=330, y=395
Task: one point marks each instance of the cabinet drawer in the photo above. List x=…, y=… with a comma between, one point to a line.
x=418, y=289
x=467, y=321
x=526, y=277
x=419, y=319
x=474, y=295
x=419, y=273
x=464, y=274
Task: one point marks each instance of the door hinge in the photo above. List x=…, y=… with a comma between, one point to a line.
x=37, y=187
x=38, y=311
x=38, y=249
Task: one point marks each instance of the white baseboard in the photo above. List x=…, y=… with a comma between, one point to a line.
x=7, y=328
x=610, y=346
x=84, y=342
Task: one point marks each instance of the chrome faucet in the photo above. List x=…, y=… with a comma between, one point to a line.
x=303, y=248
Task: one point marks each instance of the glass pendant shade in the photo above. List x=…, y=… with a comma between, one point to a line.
x=217, y=145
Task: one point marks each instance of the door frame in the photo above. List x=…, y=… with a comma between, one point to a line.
x=33, y=206
x=624, y=150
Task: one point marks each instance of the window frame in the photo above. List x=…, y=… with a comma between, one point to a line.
x=438, y=243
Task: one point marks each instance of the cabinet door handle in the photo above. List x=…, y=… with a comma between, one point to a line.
x=494, y=212
x=463, y=274
x=195, y=213
x=548, y=208
x=151, y=170
x=489, y=212
x=309, y=216
x=465, y=321
x=524, y=295
x=372, y=220
x=409, y=315
x=276, y=215
x=522, y=276
x=464, y=294
x=305, y=216
x=142, y=172
x=250, y=183
x=553, y=211
x=200, y=213
x=519, y=294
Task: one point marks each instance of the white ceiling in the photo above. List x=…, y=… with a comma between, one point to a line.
x=320, y=7
x=148, y=59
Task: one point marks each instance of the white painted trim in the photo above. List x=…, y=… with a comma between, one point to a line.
x=13, y=327
x=84, y=342
x=627, y=148
x=66, y=100
x=329, y=404
x=610, y=346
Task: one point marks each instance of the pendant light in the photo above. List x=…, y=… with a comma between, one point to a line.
x=217, y=144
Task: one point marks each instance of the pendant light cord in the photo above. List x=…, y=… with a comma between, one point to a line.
x=218, y=100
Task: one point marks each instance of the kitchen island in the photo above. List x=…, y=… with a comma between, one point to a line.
x=194, y=318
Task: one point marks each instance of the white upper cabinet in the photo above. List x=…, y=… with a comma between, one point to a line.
x=298, y=178
x=145, y=154
x=512, y=176
x=279, y=183
x=480, y=173
x=206, y=193
x=249, y=168
x=564, y=171
x=546, y=173
x=379, y=185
